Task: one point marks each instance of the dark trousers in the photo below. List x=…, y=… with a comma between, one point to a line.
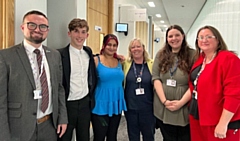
x=79, y=117
x=139, y=121
x=174, y=133
x=105, y=127
x=45, y=132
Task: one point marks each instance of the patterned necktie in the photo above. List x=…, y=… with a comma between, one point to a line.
x=43, y=80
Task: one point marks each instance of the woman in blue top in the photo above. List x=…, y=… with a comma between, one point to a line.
x=109, y=94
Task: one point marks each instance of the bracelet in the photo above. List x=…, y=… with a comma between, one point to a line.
x=164, y=102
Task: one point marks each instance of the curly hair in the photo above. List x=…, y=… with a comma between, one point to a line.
x=167, y=57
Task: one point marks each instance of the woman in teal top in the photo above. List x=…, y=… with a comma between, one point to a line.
x=109, y=94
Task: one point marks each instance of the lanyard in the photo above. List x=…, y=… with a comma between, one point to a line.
x=195, y=93
x=138, y=77
x=32, y=61
x=36, y=74
x=42, y=63
x=174, y=69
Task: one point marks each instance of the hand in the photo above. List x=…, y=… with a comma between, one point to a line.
x=121, y=57
x=173, y=105
x=220, y=131
x=61, y=129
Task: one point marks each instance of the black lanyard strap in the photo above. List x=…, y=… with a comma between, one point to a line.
x=138, y=76
x=172, y=71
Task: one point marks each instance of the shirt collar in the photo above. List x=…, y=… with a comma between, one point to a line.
x=75, y=49
x=31, y=48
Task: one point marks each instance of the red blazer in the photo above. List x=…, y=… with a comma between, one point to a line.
x=218, y=87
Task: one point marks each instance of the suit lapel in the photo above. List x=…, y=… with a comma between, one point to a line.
x=66, y=65
x=50, y=60
x=87, y=50
x=26, y=63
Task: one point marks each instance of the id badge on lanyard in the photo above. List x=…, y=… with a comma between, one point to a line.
x=37, y=94
x=172, y=82
x=139, y=90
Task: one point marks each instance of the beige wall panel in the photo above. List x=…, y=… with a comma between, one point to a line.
x=111, y=25
x=100, y=6
x=99, y=13
x=1, y=24
x=6, y=23
x=142, y=31
x=96, y=19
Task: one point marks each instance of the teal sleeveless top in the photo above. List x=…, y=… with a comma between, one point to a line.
x=109, y=93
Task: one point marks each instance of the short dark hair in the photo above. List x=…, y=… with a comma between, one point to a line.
x=34, y=12
x=77, y=22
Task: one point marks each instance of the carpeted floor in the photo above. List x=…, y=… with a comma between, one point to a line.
x=122, y=132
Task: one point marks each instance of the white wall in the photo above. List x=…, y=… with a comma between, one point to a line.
x=225, y=16
x=160, y=44
x=21, y=8
x=124, y=40
x=121, y=15
x=60, y=13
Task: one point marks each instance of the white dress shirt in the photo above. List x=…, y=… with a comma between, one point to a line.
x=34, y=65
x=79, y=73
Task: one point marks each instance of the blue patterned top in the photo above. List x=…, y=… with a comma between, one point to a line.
x=109, y=93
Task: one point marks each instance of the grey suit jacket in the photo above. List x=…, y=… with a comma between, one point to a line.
x=17, y=106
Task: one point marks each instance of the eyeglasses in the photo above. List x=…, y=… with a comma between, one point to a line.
x=33, y=26
x=205, y=37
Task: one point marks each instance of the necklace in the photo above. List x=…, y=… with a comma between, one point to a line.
x=210, y=60
x=195, y=93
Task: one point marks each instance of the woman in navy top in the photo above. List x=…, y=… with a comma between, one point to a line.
x=139, y=93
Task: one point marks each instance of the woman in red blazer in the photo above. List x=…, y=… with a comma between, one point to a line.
x=215, y=86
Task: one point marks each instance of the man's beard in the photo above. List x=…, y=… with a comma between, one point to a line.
x=35, y=40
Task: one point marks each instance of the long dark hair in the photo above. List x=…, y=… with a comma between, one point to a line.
x=166, y=56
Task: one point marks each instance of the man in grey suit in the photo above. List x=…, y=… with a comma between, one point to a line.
x=32, y=99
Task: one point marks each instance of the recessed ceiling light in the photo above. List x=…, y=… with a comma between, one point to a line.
x=165, y=25
x=151, y=4
x=158, y=15
x=162, y=21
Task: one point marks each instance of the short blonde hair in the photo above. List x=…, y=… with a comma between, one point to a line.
x=145, y=54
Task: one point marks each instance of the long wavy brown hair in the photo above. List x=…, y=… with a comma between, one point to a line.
x=167, y=57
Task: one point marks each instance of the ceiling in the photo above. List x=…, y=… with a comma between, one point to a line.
x=181, y=12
